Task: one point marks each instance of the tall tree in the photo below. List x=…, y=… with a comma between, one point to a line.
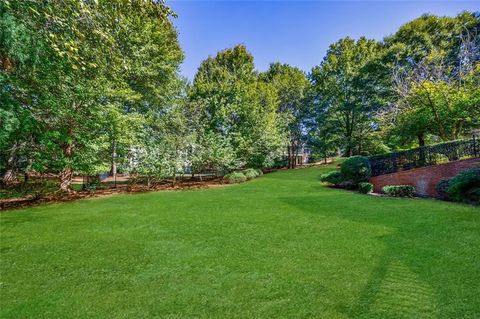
x=92, y=54
x=338, y=99
x=290, y=84
x=433, y=62
x=228, y=101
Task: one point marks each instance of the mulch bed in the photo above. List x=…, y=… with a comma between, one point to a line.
x=32, y=200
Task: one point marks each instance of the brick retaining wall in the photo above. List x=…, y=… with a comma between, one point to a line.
x=425, y=178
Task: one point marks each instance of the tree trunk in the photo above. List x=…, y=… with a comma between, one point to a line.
x=421, y=140
x=288, y=156
x=297, y=149
x=421, y=143
x=66, y=175
x=11, y=174
x=348, y=151
x=113, y=164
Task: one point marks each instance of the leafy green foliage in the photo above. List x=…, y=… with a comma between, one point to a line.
x=250, y=173
x=340, y=108
x=72, y=64
x=365, y=187
x=290, y=85
x=465, y=187
x=442, y=188
x=235, y=177
x=212, y=151
x=93, y=86
x=399, y=190
x=416, y=87
x=228, y=100
x=333, y=177
x=356, y=169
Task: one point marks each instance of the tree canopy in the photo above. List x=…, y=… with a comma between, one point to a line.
x=94, y=86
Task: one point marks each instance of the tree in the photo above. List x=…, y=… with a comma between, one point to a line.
x=228, y=101
x=337, y=97
x=290, y=84
x=80, y=58
x=434, y=78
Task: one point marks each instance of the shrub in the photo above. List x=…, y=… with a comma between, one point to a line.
x=465, y=186
x=259, y=172
x=365, y=188
x=442, y=188
x=356, y=169
x=91, y=184
x=347, y=185
x=333, y=177
x=399, y=190
x=235, y=177
x=250, y=173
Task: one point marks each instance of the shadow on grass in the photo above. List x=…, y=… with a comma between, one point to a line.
x=430, y=265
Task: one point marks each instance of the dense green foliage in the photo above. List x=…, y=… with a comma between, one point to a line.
x=442, y=188
x=356, y=169
x=333, y=177
x=365, y=187
x=418, y=86
x=88, y=87
x=250, y=173
x=229, y=101
x=75, y=92
x=278, y=246
x=235, y=177
x=399, y=190
x=465, y=187
x=341, y=110
x=290, y=85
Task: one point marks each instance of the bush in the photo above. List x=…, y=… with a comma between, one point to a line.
x=333, y=177
x=365, y=188
x=259, y=172
x=356, y=169
x=234, y=178
x=442, y=188
x=250, y=173
x=399, y=190
x=465, y=187
x=347, y=185
x=91, y=184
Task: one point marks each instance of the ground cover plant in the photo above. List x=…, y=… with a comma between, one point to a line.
x=399, y=190
x=279, y=246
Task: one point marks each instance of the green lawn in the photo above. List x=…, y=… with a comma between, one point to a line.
x=280, y=246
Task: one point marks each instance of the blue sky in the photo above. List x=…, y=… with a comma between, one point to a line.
x=294, y=32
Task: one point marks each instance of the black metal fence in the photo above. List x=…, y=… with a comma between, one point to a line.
x=424, y=156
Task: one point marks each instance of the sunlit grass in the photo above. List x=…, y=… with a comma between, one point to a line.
x=280, y=246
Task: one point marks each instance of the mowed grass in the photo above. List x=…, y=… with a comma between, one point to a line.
x=280, y=246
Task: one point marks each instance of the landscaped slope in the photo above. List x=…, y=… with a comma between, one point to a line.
x=279, y=246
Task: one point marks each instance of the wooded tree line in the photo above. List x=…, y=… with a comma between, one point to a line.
x=420, y=85
x=94, y=86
